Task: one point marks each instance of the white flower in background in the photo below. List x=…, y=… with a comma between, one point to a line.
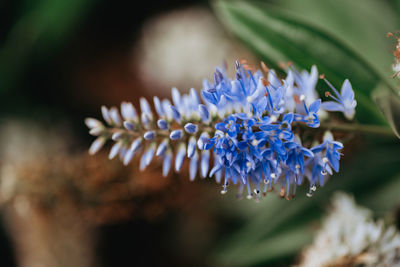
x=179, y=48
x=350, y=237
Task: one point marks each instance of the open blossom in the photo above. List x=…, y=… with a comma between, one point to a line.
x=344, y=101
x=350, y=237
x=250, y=128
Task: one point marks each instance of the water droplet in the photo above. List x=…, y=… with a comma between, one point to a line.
x=309, y=194
x=324, y=172
x=314, y=188
x=266, y=181
x=249, y=196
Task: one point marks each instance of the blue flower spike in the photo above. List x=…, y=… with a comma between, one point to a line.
x=249, y=127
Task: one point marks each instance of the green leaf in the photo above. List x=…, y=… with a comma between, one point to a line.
x=277, y=36
x=367, y=34
x=397, y=6
x=389, y=104
x=41, y=27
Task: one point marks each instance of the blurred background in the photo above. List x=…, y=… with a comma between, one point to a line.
x=61, y=60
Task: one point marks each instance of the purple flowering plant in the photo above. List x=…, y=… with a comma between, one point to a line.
x=257, y=131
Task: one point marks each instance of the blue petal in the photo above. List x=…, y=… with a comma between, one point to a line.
x=162, y=148
x=175, y=113
x=167, y=163
x=220, y=126
x=162, y=124
x=210, y=97
x=128, y=156
x=194, y=164
x=128, y=111
x=195, y=97
x=204, y=114
x=190, y=128
x=307, y=152
x=176, y=135
x=204, y=163
x=129, y=125
x=136, y=144
x=176, y=97
x=314, y=107
x=333, y=161
x=216, y=168
x=191, y=147
x=158, y=106
x=347, y=91
x=180, y=156
x=332, y=106
x=149, y=135
x=288, y=118
x=144, y=106
x=242, y=145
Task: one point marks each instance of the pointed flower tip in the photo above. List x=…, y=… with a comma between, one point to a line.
x=176, y=134
x=191, y=128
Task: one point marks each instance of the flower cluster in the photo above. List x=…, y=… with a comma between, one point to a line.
x=257, y=129
x=350, y=237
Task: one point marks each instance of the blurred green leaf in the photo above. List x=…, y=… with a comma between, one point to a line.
x=397, y=5
x=41, y=26
x=389, y=105
x=370, y=21
x=278, y=36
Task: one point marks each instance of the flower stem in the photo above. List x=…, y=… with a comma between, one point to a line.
x=362, y=128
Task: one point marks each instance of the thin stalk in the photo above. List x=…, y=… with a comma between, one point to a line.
x=362, y=128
